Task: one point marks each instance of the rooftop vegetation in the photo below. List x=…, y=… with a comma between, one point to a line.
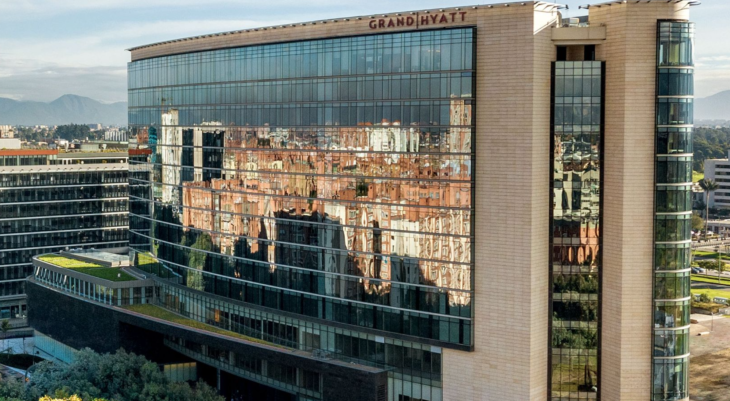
x=164, y=314
x=92, y=269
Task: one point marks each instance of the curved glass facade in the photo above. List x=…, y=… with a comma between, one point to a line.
x=673, y=208
x=330, y=180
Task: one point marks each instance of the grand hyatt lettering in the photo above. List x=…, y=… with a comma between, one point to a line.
x=421, y=20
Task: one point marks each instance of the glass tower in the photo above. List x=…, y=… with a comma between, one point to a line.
x=673, y=209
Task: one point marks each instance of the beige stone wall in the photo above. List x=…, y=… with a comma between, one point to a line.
x=628, y=209
x=512, y=200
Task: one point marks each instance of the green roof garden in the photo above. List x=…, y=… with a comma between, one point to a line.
x=92, y=269
x=164, y=314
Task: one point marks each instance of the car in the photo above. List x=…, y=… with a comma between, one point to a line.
x=695, y=270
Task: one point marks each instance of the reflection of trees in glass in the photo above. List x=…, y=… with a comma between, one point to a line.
x=579, y=283
x=574, y=338
x=197, y=261
x=582, y=311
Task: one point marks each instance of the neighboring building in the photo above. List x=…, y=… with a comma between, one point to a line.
x=718, y=170
x=10, y=143
x=46, y=206
x=364, y=202
x=719, y=227
x=92, y=157
x=7, y=131
x=115, y=135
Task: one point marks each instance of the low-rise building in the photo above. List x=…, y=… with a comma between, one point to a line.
x=718, y=170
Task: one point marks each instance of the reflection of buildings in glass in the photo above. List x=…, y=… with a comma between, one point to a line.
x=170, y=147
x=576, y=201
x=347, y=185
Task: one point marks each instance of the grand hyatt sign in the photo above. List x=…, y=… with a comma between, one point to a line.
x=418, y=20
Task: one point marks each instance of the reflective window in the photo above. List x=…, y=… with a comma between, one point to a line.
x=327, y=178
x=576, y=229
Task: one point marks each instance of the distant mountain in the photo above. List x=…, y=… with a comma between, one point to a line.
x=66, y=109
x=715, y=107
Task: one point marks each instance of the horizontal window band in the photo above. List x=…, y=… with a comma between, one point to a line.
x=61, y=216
x=62, y=186
x=302, y=269
x=314, y=295
x=304, y=246
x=334, y=176
x=62, y=201
x=293, y=221
x=82, y=245
x=270, y=80
x=292, y=197
x=402, y=101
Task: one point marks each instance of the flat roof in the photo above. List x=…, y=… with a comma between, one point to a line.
x=612, y=2
x=28, y=152
x=256, y=40
x=90, y=155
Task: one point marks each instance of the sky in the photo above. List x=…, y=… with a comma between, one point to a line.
x=49, y=48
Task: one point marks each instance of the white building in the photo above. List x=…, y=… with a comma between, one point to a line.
x=115, y=135
x=718, y=170
x=7, y=131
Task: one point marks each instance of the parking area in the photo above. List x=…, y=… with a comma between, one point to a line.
x=710, y=352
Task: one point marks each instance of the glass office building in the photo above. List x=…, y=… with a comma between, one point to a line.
x=48, y=207
x=434, y=193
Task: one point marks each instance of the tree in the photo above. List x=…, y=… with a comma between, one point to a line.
x=709, y=186
x=697, y=223
x=96, y=377
x=197, y=261
x=5, y=327
x=65, y=398
x=72, y=131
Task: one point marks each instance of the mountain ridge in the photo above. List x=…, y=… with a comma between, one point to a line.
x=67, y=109
x=74, y=109
x=715, y=107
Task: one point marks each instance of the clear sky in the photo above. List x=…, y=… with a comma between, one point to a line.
x=53, y=47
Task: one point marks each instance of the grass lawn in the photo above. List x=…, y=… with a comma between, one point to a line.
x=92, y=269
x=696, y=176
x=710, y=279
x=712, y=255
x=68, y=263
x=107, y=273
x=712, y=293
x=164, y=314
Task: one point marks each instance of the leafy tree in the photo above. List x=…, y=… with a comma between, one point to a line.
x=709, y=143
x=72, y=131
x=709, y=186
x=65, y=398
x=697, y=222
x=5, y=327
x=197, y=261
x=94, y=377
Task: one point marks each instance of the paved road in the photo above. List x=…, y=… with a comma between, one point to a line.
x=709, y=286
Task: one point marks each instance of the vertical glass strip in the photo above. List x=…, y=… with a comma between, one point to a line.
x=673, y=210
x=575, y=260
